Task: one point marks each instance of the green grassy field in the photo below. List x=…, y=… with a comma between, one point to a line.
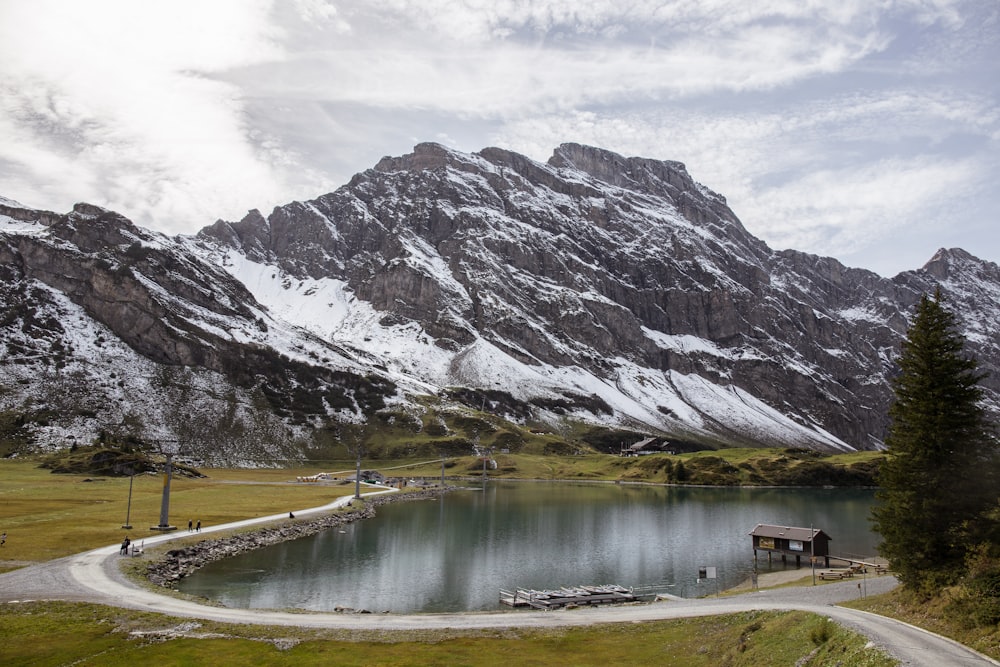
x=47, y=515
x=82, y=634
x=50, y=515
x=934, y=615
x=725, y=467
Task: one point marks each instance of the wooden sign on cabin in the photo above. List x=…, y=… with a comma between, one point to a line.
x=790, y=541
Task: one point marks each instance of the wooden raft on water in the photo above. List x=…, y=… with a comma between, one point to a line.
x=562, y=597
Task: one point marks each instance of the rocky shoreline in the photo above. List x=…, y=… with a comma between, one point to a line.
x=179, y=563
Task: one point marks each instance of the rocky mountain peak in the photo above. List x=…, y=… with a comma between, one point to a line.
x=948, y=262
x=592, y=288
x=657, y=176
x=252, y=233
x=425, y=157
x=92, y=228
x=83, y=211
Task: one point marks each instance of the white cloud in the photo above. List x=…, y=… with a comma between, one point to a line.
x=839, y=211
x=480, y=20
x=463, y=57
x=120, y=106
x=830, y=176
x=178, y=113
x=323, y=12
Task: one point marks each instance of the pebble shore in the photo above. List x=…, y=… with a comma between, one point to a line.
x=176, y=564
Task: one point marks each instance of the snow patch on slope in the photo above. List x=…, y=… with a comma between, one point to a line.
x=741, y=412
x=316, y=305
x=9, y=225
x=410, y=356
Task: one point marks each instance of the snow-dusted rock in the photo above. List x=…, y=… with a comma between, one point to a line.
x=593, y=287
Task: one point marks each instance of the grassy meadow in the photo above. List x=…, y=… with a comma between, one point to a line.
x=54, y=633
x=49, y=515
x=724, y=467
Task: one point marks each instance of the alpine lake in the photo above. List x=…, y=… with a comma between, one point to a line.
x=455, y=553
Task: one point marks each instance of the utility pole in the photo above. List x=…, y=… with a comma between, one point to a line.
x=357, y=470
x=168, y=472
x=353, y=438
x=128, y=510
x=812, y=552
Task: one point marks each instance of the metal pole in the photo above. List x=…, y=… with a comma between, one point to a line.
x=812, y=553
x=165, y=502
x=128, y=511
x=168, y=472
x=357, y=472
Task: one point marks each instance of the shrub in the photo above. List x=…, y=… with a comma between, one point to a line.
x=979, y=604
x=559, y=449
x=822, y=632
x=471, y=425
x=436, y=428
x=508, y=440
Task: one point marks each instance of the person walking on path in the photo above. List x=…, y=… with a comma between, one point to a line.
x=189, y=525
x=124, y=549
x=198, y=527
x=3, y=538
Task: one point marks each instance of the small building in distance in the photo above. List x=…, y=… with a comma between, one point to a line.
x=637, y=448
x=647, y=446
x=791, y=541
x=368, y=477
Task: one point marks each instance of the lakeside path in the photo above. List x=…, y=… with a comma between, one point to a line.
x=94, y=576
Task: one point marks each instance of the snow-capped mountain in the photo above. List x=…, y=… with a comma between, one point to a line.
x=592, y=288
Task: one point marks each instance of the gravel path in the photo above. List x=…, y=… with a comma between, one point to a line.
x=95, y=576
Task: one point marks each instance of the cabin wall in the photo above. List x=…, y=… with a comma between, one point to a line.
x=783, y=545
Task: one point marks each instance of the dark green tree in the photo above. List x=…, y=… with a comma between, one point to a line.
x=940, y=475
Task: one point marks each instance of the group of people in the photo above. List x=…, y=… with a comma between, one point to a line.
x=125, y=544
x=197, y=527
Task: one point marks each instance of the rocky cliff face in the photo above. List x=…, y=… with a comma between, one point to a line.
x=111, y=330
x=594, y=287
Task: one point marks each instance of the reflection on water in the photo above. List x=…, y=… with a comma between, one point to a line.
x=456, y=552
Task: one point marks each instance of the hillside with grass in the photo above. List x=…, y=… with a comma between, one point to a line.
x=50, y=515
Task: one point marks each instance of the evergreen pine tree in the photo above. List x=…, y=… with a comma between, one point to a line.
x=939, y=477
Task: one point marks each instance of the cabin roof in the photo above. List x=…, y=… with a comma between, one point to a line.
x=642, y=443
x=787, y=532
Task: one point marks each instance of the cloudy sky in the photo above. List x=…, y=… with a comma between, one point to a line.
x=863, y=129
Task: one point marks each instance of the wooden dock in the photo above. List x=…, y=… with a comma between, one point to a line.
x=564, y=597
x=875, y=564
x=857, y=568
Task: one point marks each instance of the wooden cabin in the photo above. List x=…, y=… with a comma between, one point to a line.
x=637, y=448
x=791, y=541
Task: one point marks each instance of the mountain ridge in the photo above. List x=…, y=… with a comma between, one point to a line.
x=593, y=287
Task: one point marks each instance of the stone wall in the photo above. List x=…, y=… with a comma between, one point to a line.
x=178, y=563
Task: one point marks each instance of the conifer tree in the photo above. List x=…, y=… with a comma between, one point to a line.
x=939, y=477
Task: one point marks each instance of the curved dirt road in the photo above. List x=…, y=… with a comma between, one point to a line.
x=94, y=576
